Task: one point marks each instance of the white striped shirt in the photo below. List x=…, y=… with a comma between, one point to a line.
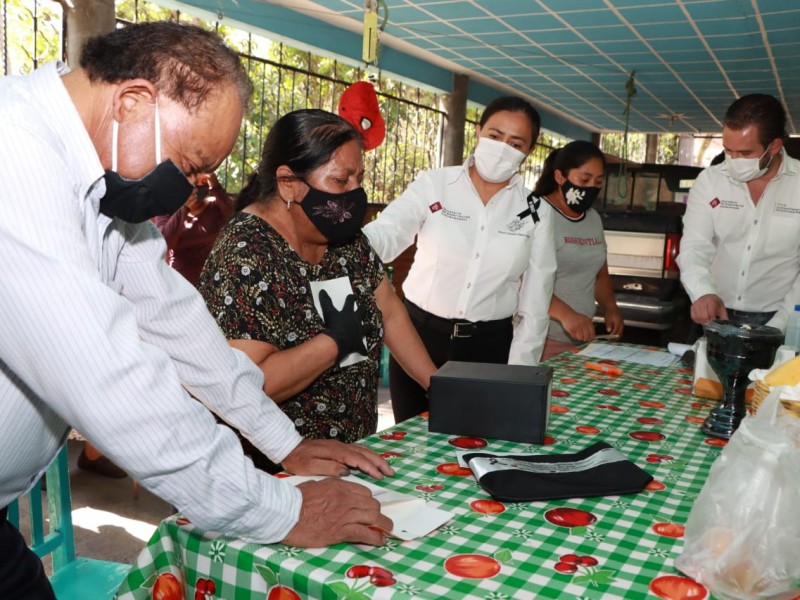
x=98, y=333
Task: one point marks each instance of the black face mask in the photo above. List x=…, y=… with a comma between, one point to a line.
x=337, y=216
x=161, y=192
x=579, y=199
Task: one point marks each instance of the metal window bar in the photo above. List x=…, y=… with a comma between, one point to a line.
x=32, y=34
x=414, y=123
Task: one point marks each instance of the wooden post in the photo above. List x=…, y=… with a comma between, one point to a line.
x=453, y=136
x=87, y=18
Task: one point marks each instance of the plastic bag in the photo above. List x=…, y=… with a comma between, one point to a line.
x=742, y=538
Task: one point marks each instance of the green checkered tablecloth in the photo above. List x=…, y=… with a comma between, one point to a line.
x=612, y=547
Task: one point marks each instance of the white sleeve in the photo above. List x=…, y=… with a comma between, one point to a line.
x=781, y=317
x=697, y=242
x=531, y=320
x=172, y=315
x=398, y=224
x=77, y=346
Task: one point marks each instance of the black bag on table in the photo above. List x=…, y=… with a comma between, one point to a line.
x=599, y=470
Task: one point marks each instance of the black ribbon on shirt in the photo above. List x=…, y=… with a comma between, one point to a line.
x=533, y=208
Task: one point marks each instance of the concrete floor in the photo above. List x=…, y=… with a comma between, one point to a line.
x=109, y=523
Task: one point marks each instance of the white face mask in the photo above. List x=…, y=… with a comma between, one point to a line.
x=746, y=169
x=496, y=161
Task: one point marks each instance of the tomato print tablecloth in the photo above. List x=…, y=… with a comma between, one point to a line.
x=622, y=546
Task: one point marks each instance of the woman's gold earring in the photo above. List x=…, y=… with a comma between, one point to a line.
x=288, y=205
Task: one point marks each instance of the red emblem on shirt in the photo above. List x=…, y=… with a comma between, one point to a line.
x=435, y=207
x=714, y=203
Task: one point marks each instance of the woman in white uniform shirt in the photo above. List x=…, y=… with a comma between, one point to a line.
x=570, y=181
x=480, y=285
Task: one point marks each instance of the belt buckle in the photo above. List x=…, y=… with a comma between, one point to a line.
x=463, y=330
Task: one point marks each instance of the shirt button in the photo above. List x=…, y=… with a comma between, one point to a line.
x=748, y=247
x=742, y=272
x=739, y=298
x=755, y=222
x=477, y=255
x=483, y=227
x=469, y=285
x=461, y=313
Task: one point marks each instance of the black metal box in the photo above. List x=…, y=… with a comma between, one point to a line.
x=506, y=402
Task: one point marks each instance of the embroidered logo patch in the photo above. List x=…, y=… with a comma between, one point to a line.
x=435, y=207
x=515, y=225
x=714, y=203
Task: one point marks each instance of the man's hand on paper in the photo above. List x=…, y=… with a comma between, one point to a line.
x=708, y=307
x=337, y=511
x=334, y=459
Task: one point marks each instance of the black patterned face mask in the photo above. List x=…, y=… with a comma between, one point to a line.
x=337, y=216
x=579, y=199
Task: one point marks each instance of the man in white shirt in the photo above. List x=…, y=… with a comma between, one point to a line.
x=99, y=333
x=740, y=251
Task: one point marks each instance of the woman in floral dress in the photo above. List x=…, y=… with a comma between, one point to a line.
x=298, y=230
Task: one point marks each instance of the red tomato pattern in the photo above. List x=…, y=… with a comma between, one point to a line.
x=716, y=442
x=670, y=530
x=676, y=587
x=587, y=429
x=477, y=566
x=472, y=566
x=609, y=392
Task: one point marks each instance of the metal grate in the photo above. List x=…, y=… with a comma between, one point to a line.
x=285, y=79
x=31, y=33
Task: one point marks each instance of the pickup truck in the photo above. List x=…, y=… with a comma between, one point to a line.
x=642, y=215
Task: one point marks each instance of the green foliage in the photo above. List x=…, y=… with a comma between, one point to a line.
x=287, y=79
x=666, y=153
x=33, y=34
x=668, y=146
x=612, y=143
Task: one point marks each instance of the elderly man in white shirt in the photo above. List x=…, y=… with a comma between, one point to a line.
x=100, y=334
x=740, y=251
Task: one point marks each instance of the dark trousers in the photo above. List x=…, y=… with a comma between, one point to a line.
x=22, y=575
x=490, y=342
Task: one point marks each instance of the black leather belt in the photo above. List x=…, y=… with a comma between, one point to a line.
x=454, y=327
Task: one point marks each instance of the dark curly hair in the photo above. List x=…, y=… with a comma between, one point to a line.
x=185, y=62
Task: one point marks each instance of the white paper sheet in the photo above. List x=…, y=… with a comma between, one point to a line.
x=678, y=349
x=412, y=516
x=338, y=289
x=636, y=355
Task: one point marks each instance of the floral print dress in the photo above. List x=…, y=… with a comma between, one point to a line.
x=257, y=287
